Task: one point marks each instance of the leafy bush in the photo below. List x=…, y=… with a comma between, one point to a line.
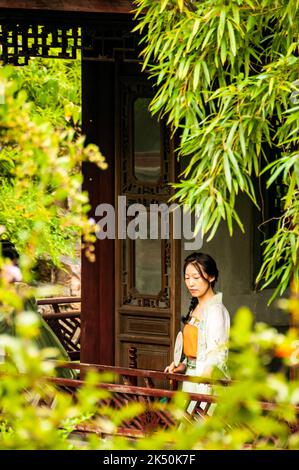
x=40, y=166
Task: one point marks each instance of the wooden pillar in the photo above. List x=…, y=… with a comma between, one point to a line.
x=98, y=279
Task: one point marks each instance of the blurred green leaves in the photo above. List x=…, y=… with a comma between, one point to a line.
x=34, y=414
x=225, y=76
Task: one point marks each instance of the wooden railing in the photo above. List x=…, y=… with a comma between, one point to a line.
x=138, y=377
x=131, y=385
x=64, y=321
x=123, y=391
x=152, y=418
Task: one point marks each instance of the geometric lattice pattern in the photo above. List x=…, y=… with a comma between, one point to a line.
x=63, y=317
x=155, y=415
x=109, y=41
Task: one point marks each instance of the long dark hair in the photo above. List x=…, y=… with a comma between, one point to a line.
x=206, y=266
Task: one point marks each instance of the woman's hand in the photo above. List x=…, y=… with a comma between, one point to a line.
x=171, y=369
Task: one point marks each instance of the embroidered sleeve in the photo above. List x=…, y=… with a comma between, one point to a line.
x=217, y=332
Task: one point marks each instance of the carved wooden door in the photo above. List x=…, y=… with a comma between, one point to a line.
x=148, y=268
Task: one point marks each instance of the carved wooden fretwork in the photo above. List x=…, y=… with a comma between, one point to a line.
x=148, y=258
x=129, y=183
x=21, y=40
x=109, y=42
x=148, y=421
x=132, y=297
x=156, y=411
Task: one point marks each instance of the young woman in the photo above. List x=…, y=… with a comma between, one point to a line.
x=207, y=324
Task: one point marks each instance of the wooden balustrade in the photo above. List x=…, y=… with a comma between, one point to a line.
x=153, y=417
x=130, y=376
x=65, y=321
x=155, y=414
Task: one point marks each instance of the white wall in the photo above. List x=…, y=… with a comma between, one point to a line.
x=234, y=258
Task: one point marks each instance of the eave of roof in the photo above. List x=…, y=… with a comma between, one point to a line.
x=85, y=6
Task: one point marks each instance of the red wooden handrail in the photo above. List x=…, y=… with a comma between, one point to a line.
x=82, y=367
x=58, y=300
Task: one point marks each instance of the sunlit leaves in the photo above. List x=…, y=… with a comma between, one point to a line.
x=226, y=75
x=54, y=88
x=40, y=176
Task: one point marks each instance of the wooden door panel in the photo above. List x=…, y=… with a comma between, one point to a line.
x=150, y=356
x=145, y=326
x=147, y=270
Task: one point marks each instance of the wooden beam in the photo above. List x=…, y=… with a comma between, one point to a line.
x=87, y=6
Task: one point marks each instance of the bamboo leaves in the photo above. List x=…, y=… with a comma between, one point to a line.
x=225, y=76
x=196, y=75
x=232, y=38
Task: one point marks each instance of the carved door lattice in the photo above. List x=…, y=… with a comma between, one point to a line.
x=63, y=315
x=147, y=294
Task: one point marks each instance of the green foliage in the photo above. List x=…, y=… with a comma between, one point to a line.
x=41, y=179
x=239, y=420
x=252, y=350
x=34, y=414
x=281, y=251
x=227, y=82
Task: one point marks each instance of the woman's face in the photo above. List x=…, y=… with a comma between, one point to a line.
x=195, y=282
